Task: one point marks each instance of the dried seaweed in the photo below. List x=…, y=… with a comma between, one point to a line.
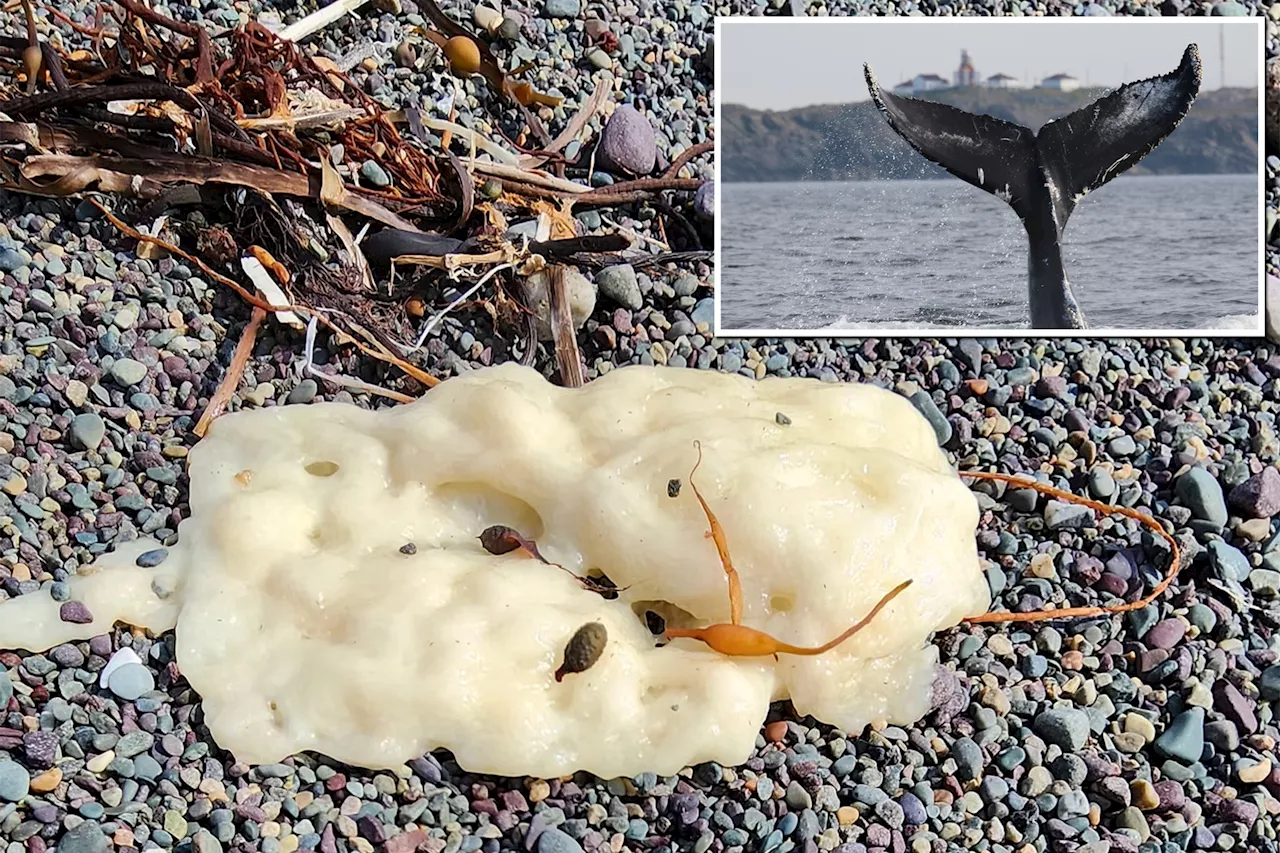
x=243, y=127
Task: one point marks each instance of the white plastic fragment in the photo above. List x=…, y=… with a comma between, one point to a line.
x=319, y=19
x=270, y=290
x=304, y=626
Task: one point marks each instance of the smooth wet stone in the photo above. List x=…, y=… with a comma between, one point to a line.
x=15, y=782
x=87, y=431
x=1202, y=494
x=1066, y=727
x=131, y=681
x=1184, y=739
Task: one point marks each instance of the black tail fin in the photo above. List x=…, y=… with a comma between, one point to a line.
x=1084, y=150
x=995, y=155
x=1077, y=153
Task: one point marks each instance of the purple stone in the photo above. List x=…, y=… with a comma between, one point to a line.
x=913, y=811
x=1051, y=387
x=1258, y=496
x=46, y=814
x=372, y=830
x=1165, y=634
x=1113, y=584
x=327, y=842
x=1238, y=811
x=75, y=612
x=628, y=143
x=1120, y=564
x=514, y=801
x=1172, y=797
x=1087, y=569
x=1235, y=705
x=40, y=749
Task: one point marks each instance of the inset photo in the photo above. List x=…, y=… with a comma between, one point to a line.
x=989, y=176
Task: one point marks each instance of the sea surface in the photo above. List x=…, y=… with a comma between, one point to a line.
x=1142, y=252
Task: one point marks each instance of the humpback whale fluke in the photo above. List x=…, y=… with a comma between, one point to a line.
x=1042, y=175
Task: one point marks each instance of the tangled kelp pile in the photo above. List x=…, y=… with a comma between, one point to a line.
x=260, y=142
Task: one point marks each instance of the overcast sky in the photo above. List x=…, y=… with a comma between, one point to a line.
x=778, y=65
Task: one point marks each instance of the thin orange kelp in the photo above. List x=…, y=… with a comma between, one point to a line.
x=738, y=640
x=1175, y=556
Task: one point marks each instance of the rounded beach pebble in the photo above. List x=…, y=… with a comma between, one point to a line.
x=628, y=143
x=704, y=201
x=15, y=782
x=131, y=681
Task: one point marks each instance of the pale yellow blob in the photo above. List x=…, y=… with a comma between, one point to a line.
x=304, y=627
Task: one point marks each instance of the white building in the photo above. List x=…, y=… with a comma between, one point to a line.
x=1004, y=81
x=1062, y=82
x=921, y=83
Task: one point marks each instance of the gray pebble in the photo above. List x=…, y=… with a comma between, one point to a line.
x=1059, y=515
x=304, y=392
x=131, y=681
x=152, y=558
x=87, y=431
x=1184, y=739
x=1066, y=727
x=562, y=8
x=374, y=174
x=128, y=372
x=704, y=201
x=557, y=841
x=923, y=401
x=619, y=284
x=969, y=759
x=1202, y=494
x=15, y=782
x=85, y=838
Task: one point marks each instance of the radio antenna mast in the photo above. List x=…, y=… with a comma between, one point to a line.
x=1222, y=56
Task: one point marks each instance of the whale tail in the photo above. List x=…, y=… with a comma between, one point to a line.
x=1043, y=175
x=1075, y=154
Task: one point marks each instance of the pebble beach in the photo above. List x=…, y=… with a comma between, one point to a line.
x=1151, y=732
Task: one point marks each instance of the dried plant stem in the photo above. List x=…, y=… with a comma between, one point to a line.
x=688, y=155
x=235, y=372
x=421, y=375
x=566, y=340
x=442, y=313
x=524, y=176
x=1175, y=556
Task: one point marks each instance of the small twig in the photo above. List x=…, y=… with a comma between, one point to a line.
x=97, y=32
x=636, y=235
x=580, y=119
x=235, y=372
x=309, y=369
x=566, y=340
x=421, y=375
x=525, y=176
x=486, y=145
x=688, y=155
x=638, y=190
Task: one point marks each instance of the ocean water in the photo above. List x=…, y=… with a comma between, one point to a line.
x=1142, y=252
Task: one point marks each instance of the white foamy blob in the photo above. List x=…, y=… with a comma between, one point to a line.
x=304, y=626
